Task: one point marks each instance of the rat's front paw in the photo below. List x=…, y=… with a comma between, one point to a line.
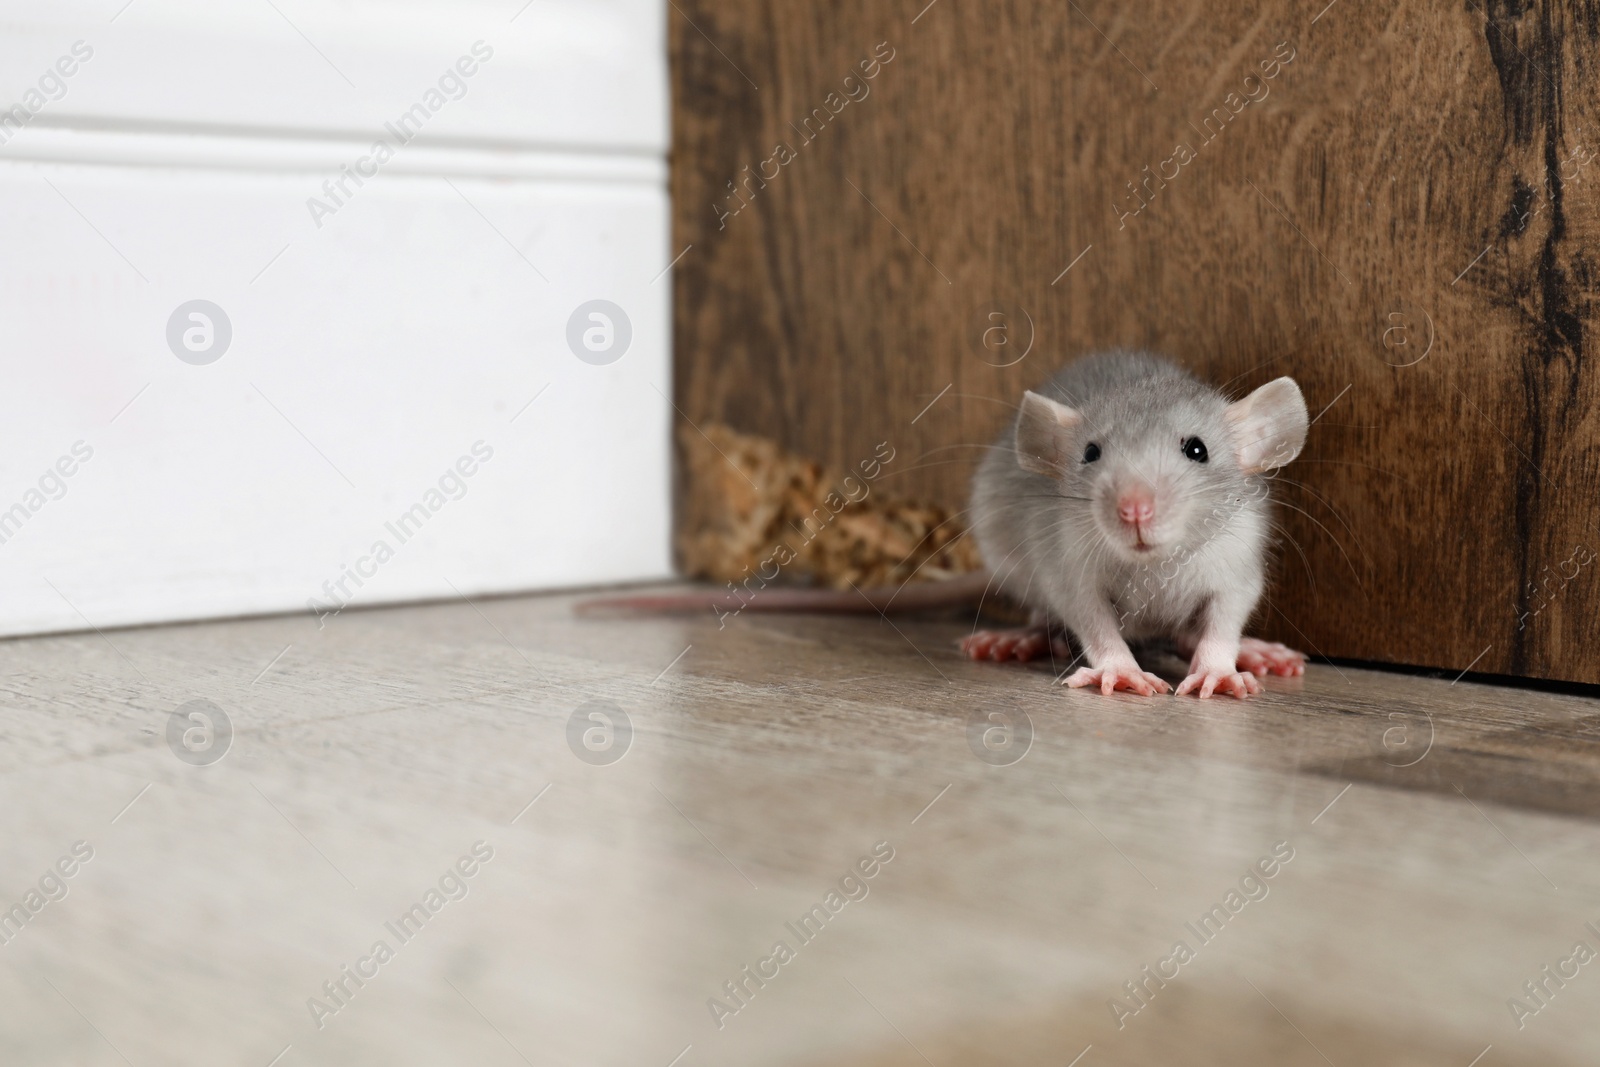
x=1207, y=682
x=1126, y=677
x=1269, y=657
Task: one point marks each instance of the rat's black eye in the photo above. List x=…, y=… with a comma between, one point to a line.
x=1091, y=453
x=1195, y=449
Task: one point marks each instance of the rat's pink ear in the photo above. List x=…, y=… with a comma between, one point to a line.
x=1044, y=429
x=1269, y=426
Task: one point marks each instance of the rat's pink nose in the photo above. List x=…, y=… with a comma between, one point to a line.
x=1136, y=508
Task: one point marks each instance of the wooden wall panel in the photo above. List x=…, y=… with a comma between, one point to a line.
x=1403, y=216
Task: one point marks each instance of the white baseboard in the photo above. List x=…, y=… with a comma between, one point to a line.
x=368, y=356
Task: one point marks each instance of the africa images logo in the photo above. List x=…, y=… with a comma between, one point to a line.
x=451, y=85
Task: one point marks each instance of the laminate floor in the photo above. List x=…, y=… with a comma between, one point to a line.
x=491, y=833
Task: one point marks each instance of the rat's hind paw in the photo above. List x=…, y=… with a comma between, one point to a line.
x=1268, y=657
x=1111, y=679
x=1207, y=682
x=1022, y=645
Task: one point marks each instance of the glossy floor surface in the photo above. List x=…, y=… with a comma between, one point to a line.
x=433, y=839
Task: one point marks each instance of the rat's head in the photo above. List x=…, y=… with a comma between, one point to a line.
x=1158, y=463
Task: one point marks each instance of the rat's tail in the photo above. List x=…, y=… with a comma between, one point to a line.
x=958, y=592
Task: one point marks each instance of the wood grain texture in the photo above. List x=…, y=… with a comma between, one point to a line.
x=1403, y=217
x=1033, y=875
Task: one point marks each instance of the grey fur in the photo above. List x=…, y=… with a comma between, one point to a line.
x=1055, y=544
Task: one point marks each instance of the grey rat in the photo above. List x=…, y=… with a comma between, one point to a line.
x=1127, y=500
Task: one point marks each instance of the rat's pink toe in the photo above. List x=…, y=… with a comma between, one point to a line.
x=1123, y=678
x=1020, y=645
x=1205, y=683
x=1269, y=657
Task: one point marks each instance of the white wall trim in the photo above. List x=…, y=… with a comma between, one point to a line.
x=324, y=156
